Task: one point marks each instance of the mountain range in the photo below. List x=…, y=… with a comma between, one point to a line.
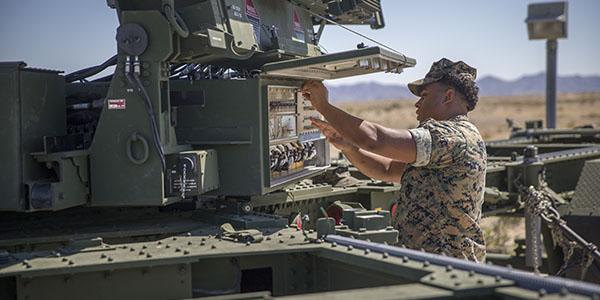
x=488, y=86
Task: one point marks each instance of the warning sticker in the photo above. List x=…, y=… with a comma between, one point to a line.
x=254, y=19
x=298, y=35
x=116, y=103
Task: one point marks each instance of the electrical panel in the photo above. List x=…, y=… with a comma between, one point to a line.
x=295, y=145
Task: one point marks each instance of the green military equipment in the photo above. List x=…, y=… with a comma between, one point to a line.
x=174, y=177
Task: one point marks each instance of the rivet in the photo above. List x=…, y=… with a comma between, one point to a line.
x=542, y=292
x=480, y=281
x=186, y=252
x=188, y=234
x=144, y=247
x=203, y=239
x=142, y=252
x=215, y=246
x=102, y=255
x=247, y=243
x=564, y=291
x=159, y=242
x=174, y=238
x=449, y=268
x=281, y=241
x=367, y=251
x=202, y=243
x=405, y=259
x=471, y=273
x=131, y=249
x=385, y=255
x=333, y=245
x=426, y=264
x=268, y=238
x=64, y=259
x=498, y=278
x=167, y=246
x=279, y=234
x=457, y=283
x=177, y=250
x=189, y=243
x=71, y=262
x=350, y=248
x=292, y=236
x=110, y=258
x=453, y=276
x=431, y=277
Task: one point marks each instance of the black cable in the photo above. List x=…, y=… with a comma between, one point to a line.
x=139, y=87
x=90, y=71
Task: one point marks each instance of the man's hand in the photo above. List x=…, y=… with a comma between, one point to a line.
x=316, y=92
x=334, y=137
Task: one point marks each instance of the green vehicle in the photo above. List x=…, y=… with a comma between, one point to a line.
x=194, y=171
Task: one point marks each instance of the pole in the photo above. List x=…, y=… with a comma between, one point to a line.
x=551, y=47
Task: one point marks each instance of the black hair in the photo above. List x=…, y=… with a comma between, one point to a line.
x=464, y=85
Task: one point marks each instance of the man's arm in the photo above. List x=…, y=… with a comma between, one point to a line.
x=375, y=166
x=396, y=144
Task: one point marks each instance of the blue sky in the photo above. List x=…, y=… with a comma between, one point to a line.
x=490, y=35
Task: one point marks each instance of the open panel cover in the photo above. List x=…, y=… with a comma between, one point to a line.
x=341, y=64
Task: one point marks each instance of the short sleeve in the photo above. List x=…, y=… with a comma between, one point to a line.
x=422, y=139
x=447, y=144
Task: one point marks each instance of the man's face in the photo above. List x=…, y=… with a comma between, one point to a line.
x=430, y=104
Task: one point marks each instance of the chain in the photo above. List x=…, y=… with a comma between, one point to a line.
x=538, y=202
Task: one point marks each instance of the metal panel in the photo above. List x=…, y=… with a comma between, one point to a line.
x=342, y=64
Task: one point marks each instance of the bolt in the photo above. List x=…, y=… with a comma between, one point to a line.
x=542, y=292
x=564, y=292
x=202, y=243
x=333, y=245
x=268, y=238
x=189, y=243
x=131, y=249
x=177, y=250
x=404, y=259
x=385, y=255
x=103, y=255
x=71, y=262
x=498, y=278
x=186, y=252
x=279, y=234
x=168, y=246
x=144, y=247
x=281, y=241
x=159, y=243
x=247, y=243
x=449, y=268
x=426, y=264
x=431, y=277
x=215, y=246
x=188, y=234
x=471, y=273
x=142, y=252
x=292, y=236
x=350, y=248
x=203, y=239
x=480, y=281
x=457, y=283
x=110, y=258
x=174, y=238
x=367, y=251
x=64, y=259
x=453, y=276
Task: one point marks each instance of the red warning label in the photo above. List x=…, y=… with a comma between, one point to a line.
x=298, y=35
x=254, y=19
x=116, y=103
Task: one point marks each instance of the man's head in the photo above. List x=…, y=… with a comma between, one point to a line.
x=448, y=89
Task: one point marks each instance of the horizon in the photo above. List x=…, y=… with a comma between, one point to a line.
x=489, y=35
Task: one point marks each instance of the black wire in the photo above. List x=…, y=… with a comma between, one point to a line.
x=139, y=87
x=90, y=71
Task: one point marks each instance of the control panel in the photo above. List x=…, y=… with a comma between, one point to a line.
x=296, y=147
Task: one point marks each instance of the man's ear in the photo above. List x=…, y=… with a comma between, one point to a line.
x=449, y=96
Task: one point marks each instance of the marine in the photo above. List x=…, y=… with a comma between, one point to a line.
x=440, y=164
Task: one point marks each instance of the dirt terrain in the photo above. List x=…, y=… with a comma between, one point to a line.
x=490, y=117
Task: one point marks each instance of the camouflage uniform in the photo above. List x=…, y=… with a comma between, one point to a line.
x=442, y=191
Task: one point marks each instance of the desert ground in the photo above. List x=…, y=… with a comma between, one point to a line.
x=490, y=117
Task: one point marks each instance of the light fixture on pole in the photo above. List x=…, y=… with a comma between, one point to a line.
x=548, y=21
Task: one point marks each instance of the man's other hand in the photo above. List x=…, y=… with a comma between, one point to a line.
x=334, y=137
x=316, y=92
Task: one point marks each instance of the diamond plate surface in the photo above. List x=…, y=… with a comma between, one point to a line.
x=586, y=200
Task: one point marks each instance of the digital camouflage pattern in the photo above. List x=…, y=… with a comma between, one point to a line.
x=442, y=191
